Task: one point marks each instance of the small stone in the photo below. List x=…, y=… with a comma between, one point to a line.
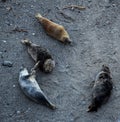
x=2, y=56
x=89, y=1
x=14, y=86
x=67, y=66
x=5, y=50
x=113, y=5
x=8, y=8
x=107, y=22
x=7, y=63
x=4, y=41
x=24, y=6
x=56, y=82
x=18, y=112
x=8, y=104
x=83, y=102
x=33, y=34
x=31, y=6
x=10, y=115
x=37, y=121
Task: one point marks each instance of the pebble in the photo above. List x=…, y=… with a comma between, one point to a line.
x=32, y=6
x=83, y=102
x=33, y=34
x=37, y=121
x=13, y=86
x=7, y=63
x=8, y=8
x=4, y=41
x=18, y=112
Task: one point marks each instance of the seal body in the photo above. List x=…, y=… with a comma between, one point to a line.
x=40, y=54
x=55, y=30
x=31, y=88
x=102, y=89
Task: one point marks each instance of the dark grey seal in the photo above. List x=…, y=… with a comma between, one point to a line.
x=39, y=53
x=102, y=89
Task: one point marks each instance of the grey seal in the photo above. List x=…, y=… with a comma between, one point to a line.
x=102, y=89
x=31, y=88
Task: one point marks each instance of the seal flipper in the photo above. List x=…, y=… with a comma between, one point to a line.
x=26, y=42
x=42, y=99
x=96, y=103
x=92, y=109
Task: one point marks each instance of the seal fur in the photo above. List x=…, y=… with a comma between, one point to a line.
x=55, y=30
x=102, y=89
x=41, y=54
x=31, y=88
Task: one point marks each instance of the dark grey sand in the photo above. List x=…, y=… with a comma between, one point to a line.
x=96, y=40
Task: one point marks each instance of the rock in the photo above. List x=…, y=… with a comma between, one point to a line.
x=7, y=63
x=4, y=41
x=33, y=34
x=14, y=86
x=18, y=112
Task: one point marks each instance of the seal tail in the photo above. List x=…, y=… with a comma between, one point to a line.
x=41, y=98
x=39, y=17
x=26, y=42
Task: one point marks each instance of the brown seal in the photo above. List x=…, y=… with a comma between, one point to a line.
x=55, y=30
x=31, y=88
x=41, y=54
x=102, y=89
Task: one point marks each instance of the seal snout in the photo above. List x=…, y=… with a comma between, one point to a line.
x=92, y=109
x=67, y=41
x=105, y=68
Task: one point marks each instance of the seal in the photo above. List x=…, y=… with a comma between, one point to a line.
x=41, y=54
x=102, y=89
x=55, y=30
x=31, y=88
